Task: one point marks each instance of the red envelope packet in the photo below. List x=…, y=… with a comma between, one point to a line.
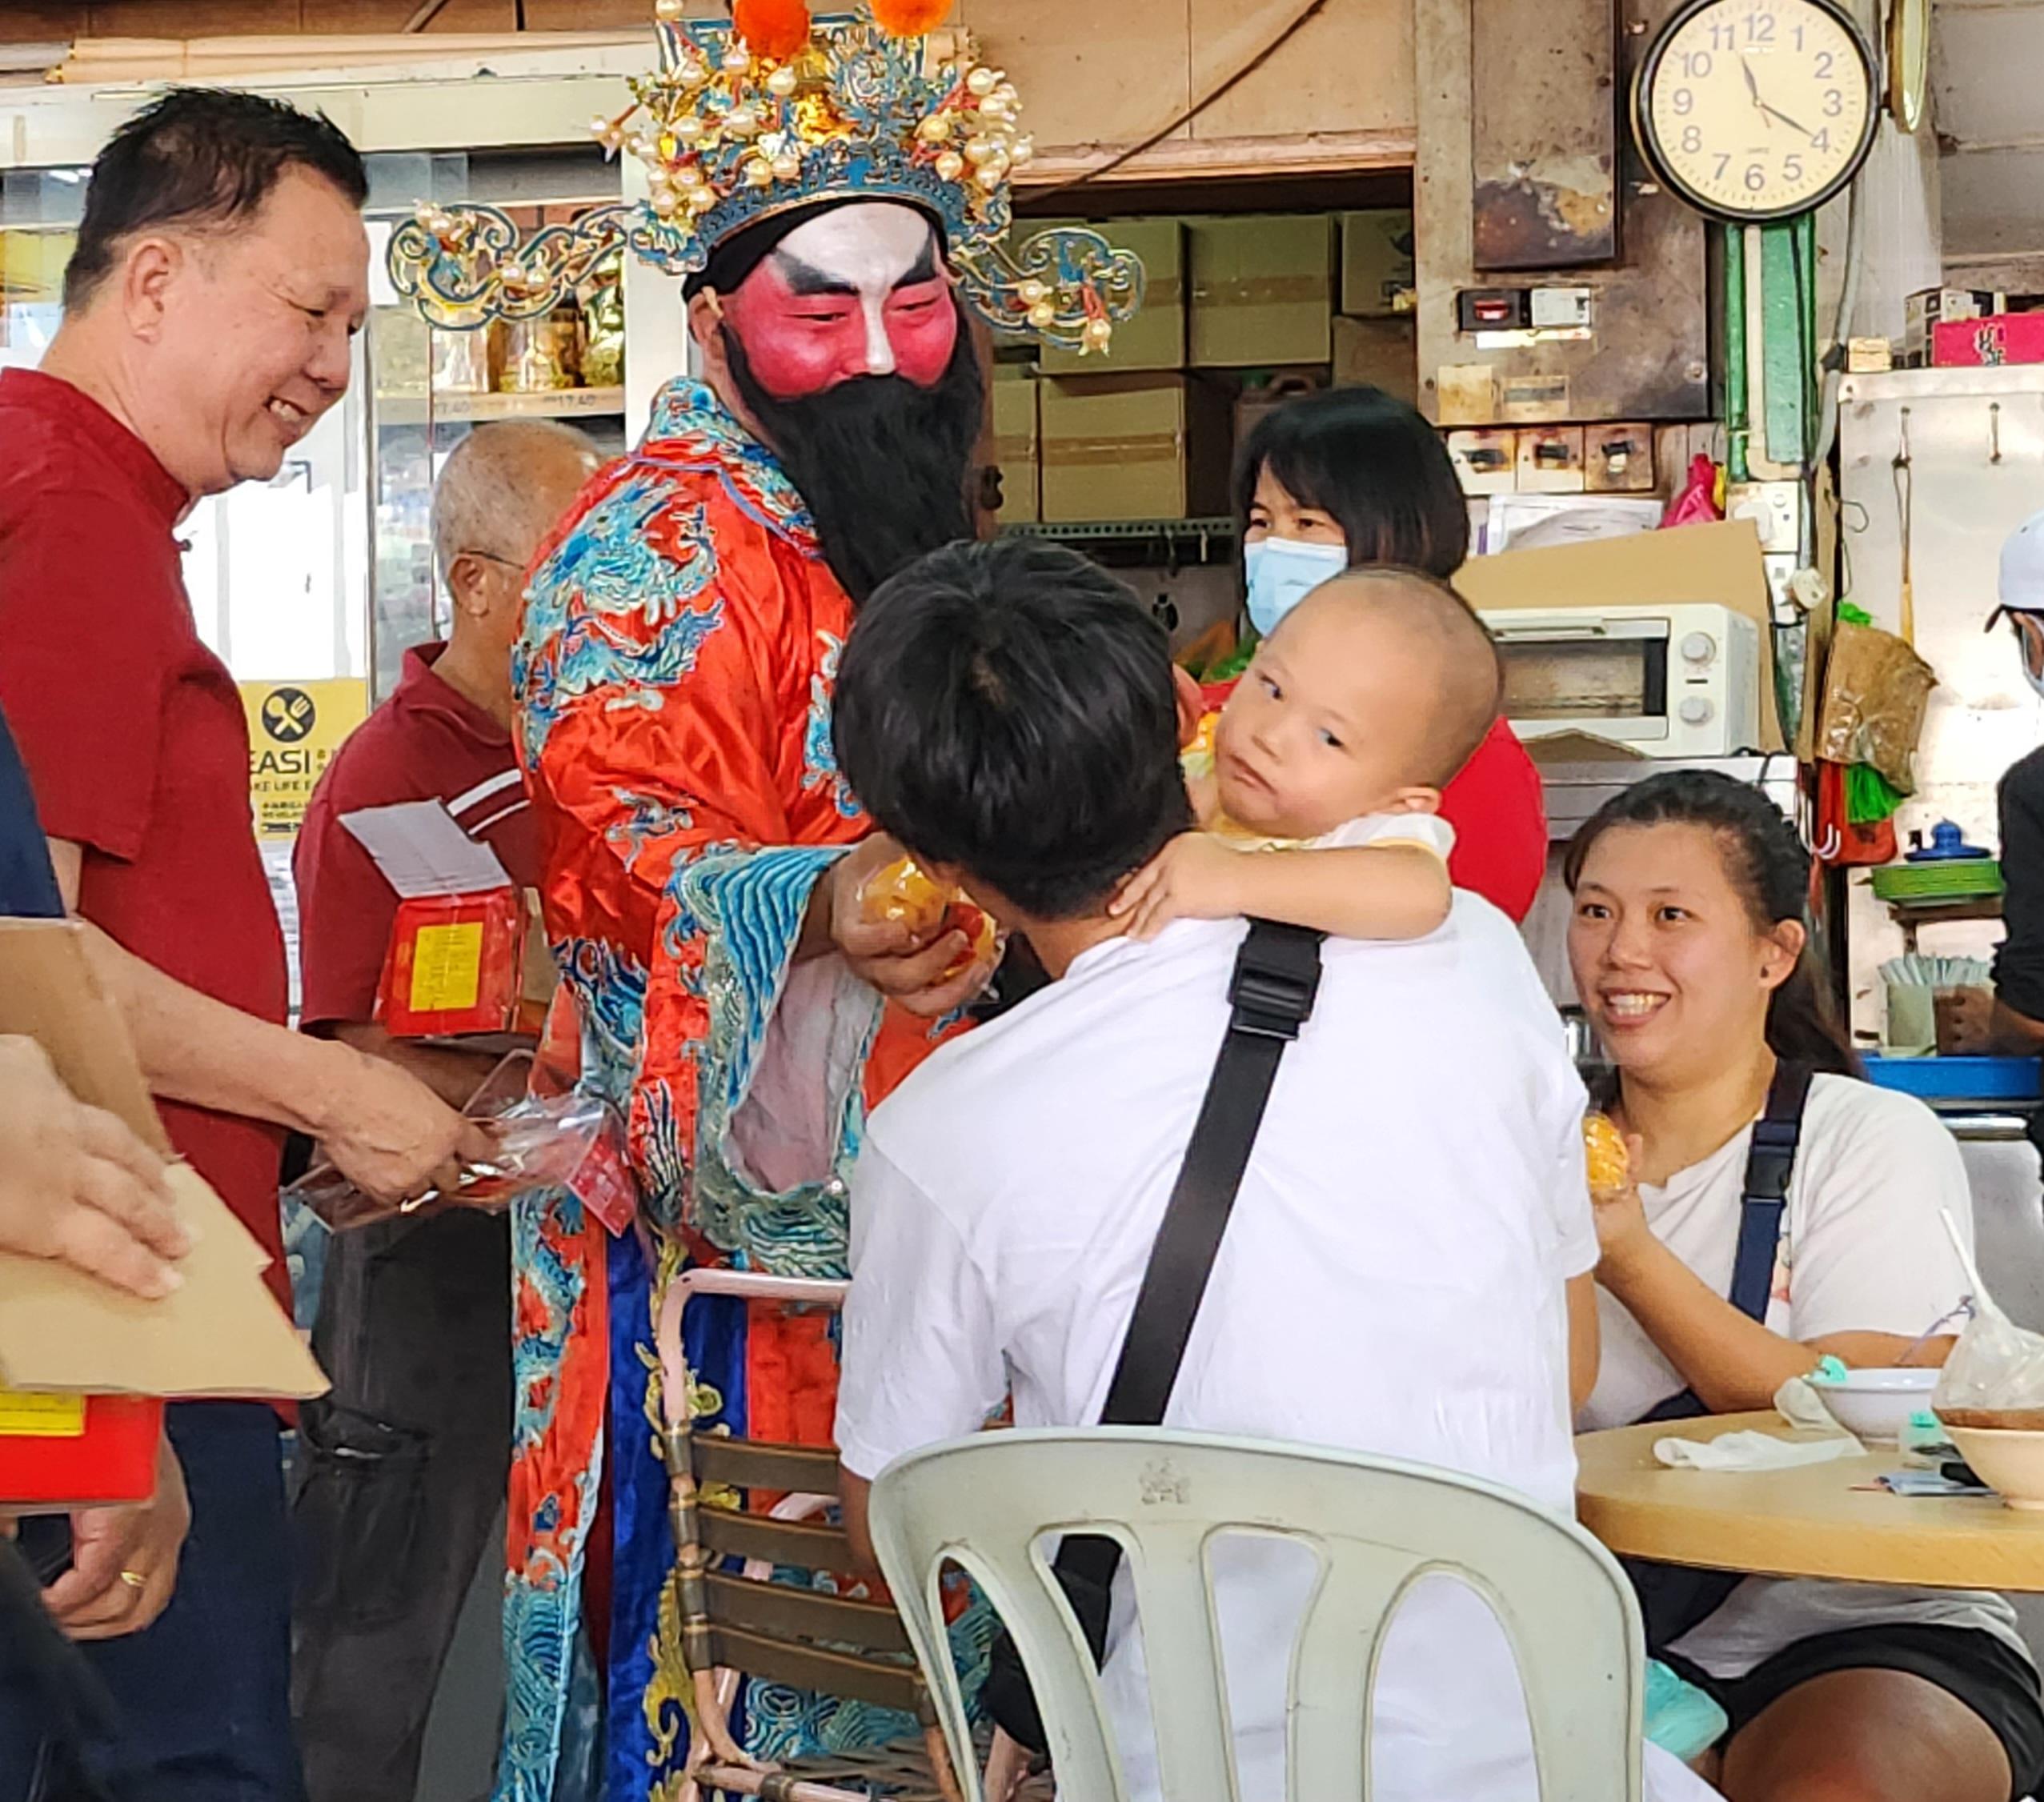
x=72, y=1450
x=456, y=965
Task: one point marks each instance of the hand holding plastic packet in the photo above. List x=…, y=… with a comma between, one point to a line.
x=571, y=1141
x=902, y=892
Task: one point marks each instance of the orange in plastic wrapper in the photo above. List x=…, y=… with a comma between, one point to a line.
x=903, y=891
x=1604, y=1149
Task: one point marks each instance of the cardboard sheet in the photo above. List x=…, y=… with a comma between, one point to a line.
x=222, y=1334
x=1719, y=563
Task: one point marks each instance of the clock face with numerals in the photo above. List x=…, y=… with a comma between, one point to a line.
x=1757, y=109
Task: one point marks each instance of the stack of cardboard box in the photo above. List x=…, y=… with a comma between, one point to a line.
x=1240, y=312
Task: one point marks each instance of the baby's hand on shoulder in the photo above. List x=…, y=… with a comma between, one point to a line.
x=1194, y=877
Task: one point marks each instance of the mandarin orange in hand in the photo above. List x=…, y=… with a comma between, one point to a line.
x=900, y=891
x=1604, y=1150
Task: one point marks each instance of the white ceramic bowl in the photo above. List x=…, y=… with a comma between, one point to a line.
x=1876, y=1404
x=2011, y=1462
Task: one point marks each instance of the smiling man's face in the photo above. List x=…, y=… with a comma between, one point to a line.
x=250, y=339
x=859, y=290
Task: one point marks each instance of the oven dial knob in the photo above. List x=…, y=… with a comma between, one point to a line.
x=1696, y=711
x=1699, y=647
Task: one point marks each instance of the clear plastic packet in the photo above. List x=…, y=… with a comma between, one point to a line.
x=1995, y=1374
x=1605, y=1156
x=571, y=1141
x=903, y=892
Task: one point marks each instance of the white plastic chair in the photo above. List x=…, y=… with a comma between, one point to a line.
x=984, y=1503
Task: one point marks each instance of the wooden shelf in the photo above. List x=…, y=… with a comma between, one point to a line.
x=558, y=403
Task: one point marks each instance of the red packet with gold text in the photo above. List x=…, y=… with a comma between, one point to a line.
x=69, y=1450
x=455, y=965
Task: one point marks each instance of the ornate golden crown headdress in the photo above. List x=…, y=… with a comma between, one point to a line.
x=775, y=111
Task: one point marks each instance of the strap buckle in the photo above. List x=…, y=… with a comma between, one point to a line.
x=1771, y=1161
x=1276, y=980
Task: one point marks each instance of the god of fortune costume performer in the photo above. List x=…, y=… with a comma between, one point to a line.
x=828, y=192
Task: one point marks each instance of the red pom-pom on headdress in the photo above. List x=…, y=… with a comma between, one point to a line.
x=773, y=28
x=910, y=18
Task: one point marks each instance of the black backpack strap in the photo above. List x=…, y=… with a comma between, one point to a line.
x=1674, y=1599
x=1770, y=1162
x=1277, y=978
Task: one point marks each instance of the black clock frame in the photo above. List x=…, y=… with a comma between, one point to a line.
x=1650, y=145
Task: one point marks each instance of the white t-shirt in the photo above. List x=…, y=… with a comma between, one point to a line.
x=1392, y=1279
x=1429, y=830
x=1862, y=1250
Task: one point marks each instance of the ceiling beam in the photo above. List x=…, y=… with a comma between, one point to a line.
x=2011, y=272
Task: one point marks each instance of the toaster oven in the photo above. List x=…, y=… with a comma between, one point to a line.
x=1670, y=681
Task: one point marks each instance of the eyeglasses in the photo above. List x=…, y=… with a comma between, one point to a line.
x=491, y=557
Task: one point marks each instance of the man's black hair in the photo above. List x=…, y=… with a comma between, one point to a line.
x=1009, y=709
x=737, y=256
x=200, y=158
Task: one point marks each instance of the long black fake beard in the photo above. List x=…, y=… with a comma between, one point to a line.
x=882, y=464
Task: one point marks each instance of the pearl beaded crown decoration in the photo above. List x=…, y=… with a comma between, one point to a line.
x=729, y=136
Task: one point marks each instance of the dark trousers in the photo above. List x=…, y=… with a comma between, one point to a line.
x=402, y=1473
x=200, y=1699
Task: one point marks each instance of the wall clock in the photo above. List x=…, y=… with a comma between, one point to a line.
x=1909, y=62
x=1757, y=110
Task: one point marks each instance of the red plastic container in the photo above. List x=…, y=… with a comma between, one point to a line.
x=69, y=1451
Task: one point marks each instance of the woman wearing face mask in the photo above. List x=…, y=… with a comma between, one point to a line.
x=1728, y=1268
x=1351, y=476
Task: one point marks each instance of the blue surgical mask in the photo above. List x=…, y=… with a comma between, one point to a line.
x=1282, y=572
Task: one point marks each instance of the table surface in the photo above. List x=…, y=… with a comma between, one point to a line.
x=1816, y=1520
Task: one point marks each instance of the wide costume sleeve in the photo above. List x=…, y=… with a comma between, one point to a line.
x=674, y=680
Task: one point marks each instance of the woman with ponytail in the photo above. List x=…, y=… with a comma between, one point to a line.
x=1729, y=1267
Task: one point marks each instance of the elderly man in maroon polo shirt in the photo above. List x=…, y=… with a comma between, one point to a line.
x=414, y=1316
x=220, y=270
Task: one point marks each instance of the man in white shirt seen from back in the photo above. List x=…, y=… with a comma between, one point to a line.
x=1412, y=1228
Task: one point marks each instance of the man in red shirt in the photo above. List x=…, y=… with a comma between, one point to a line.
x=219, y=272
x=414, y=1317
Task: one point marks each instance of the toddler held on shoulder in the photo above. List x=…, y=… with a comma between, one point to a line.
x=1327, y=764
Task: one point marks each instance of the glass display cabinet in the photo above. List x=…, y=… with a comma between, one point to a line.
x=325, y=573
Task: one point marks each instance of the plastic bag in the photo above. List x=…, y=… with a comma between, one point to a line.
x=1696, y=505
x=903, y=892
x=569, y=1141
x=1605, y=1155
x=1876, y=692
x=1995, y=1374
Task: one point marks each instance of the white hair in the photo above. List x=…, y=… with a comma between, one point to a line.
x=485, y=499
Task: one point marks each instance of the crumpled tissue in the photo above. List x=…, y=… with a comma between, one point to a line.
x=1800, y=1405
